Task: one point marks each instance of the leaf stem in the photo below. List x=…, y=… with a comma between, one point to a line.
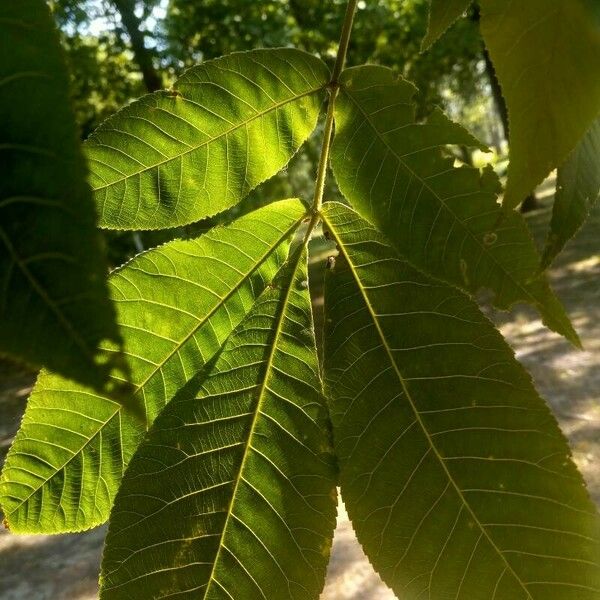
x=333, y=92
x=324, y=157
x=344, y=41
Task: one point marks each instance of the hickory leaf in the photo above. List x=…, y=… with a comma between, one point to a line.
x=180, y=155
x=546, y=55
x=577, y=190
x=445, y=220
x=454, y=472
x=176, y=305
x=232, y=495
x=456, y=477
x=52, y=268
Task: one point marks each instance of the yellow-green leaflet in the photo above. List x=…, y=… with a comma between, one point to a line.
x=176, y=305
x=178, y=156
x=546, y=55
x=232, y=495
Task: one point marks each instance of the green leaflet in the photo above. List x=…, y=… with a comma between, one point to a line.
x=445, y=220
x=176, y=306
x=232, y=495
x=52, y=270
x=442, y=14
x=453, y=470
x=177, y=156
x=546, y=54
x=577, y=190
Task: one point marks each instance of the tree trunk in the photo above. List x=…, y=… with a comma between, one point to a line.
x=142, y=55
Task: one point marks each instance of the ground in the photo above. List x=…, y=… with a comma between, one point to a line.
x=66, y=567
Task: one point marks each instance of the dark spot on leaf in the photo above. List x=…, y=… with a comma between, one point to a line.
x=490, y=238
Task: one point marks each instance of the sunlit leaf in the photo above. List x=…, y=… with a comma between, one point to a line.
x=176, y=306
x=52, y=268
x=445, y=220
x=455, y=474
x=232, y=495
x=177, y=156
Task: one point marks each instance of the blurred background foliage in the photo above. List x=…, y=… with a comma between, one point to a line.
x=120, y=49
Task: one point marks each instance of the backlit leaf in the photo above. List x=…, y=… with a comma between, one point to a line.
x=177, y=156
x=232, y=495
x=546, y=55
x=455, y=474
x=445, y=220
x=176, y=306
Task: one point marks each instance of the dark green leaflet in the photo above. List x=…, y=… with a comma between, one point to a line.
x=445, y=220
x=52, y=270
x=577, y=191
x=442, y=14
x=456, y=477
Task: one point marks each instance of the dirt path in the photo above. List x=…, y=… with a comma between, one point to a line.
x=65, y=567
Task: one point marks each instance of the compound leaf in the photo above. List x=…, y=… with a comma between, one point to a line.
x=546, y=55
x=445, y=220
x=577, y=190
x=52, y=269
x=177, y=156
x=455, y=474
x=442, y=14
x=232, y=495
x=176, y=305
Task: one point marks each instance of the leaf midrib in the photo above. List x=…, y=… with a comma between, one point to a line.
x=261, y=392
x=210, y=140
x=413, y=406
x=139, y=387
